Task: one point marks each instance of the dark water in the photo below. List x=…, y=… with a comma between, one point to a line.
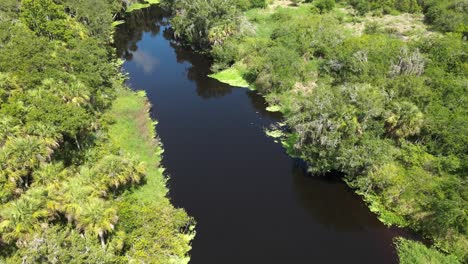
x=252, y=203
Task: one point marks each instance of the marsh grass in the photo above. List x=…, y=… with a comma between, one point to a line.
x=134, y=133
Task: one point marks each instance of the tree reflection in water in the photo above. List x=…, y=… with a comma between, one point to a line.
x=127, y=35
x=153, y=20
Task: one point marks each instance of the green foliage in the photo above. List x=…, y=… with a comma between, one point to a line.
x=403, y=120
x=155, y=240
x=447, y=16
x=135, y=5
x=258, y=3
x=204, y=23
x=325, y=5
x=91, y=15
x=390, y=114
x=49, y=19
x=67, y=185
x=412, y=252
x=154, y=230
x=63, y=245
x=386, y=6
x=117, y=172
x=19, y=157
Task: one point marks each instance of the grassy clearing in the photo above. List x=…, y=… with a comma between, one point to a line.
x=157, y=232
x=133, y=132
x=404, y=26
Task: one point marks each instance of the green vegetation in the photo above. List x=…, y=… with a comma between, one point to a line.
x=386, y=6
x=137, y=5
x=231, y=76
x=274, y=108
x=150, y=223
x=202, y=23
x=80, y=180
x=386, y=110
x=447, y=15
x=411, y=252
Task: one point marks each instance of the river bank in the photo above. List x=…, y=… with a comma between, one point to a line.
x=252, y=202
x=147, y=214
x=350, y=105
x=80, y=179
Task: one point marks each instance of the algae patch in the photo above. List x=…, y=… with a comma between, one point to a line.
x=117, y=22
x=274, y=108
x=145, y=4
x=274, y=133
x=231, y=76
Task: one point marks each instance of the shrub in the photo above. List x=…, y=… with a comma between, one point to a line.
x=325, y=5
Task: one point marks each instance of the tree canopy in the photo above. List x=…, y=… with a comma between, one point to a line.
x=67, y=191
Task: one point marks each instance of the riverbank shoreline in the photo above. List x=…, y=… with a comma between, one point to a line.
x=80, y=174
x=313, y=73
x=211, y=163
x=134, y=133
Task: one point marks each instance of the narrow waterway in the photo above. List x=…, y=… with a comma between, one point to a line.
x=252, y=203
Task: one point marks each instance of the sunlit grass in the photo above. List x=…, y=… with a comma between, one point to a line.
x=157, y=231
x=133, y=132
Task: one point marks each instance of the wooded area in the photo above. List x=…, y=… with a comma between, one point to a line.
x=80, y=180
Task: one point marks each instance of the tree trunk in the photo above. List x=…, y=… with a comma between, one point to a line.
x=103, y=242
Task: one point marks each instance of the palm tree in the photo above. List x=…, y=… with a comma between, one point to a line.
x=49, y=173
x=75, y=92
x=115, y=171
x=45, y=131
x=98, y=218
x=8, y=83
x=8, y=128
x=23, y=155
x=404, y=120
x=68, y=197
x=22, y=217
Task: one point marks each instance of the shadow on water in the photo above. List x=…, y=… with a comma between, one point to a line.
x=252, y=203
x=260, y=105
x=152, y=20
x=198, y=70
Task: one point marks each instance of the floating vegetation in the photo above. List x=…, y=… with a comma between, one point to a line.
x=137, y=6
x=231, y=76
x=274, y=108
x=274, y=133
x=117, y=22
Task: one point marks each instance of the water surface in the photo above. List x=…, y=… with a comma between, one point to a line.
x=252, y=203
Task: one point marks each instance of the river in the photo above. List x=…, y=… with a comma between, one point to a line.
x=252, y=203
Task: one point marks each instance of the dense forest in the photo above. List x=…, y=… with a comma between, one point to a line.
x=375, y=90
x=80, y=180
